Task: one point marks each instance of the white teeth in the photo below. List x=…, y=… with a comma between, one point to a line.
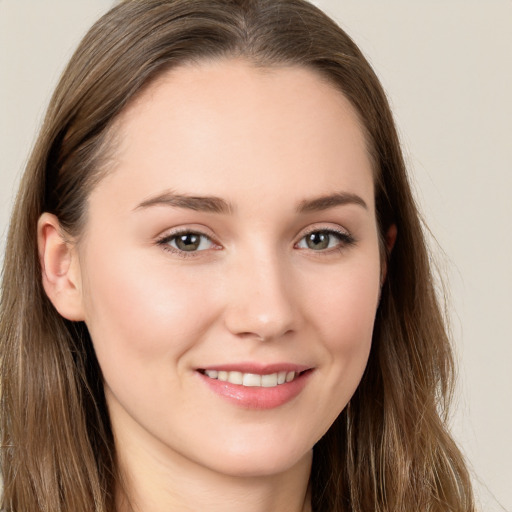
x=252, y=379
x=269, y=381
x=236, y=377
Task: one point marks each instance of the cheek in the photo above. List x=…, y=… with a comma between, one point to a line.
x=346, y=311
x=138, y=311
x=344, y=318
x=353, y=313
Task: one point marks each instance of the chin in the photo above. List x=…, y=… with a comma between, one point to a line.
x=260, y=462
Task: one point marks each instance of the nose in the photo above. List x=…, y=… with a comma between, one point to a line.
x=259, y=299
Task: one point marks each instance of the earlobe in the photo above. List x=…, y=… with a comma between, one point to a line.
x=60, y=268
x=389, y=240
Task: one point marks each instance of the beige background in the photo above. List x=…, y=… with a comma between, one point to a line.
x=447, y=68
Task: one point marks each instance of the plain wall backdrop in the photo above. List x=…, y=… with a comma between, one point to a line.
x=447, y=69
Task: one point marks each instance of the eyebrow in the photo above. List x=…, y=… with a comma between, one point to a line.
x=213, y=204
x=209, y=204
x=330, y=201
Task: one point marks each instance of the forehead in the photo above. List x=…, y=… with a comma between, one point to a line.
x=226, y=126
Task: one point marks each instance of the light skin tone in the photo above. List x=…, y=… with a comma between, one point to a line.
x=273, y=264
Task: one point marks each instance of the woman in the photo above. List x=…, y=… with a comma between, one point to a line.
x=216, y=290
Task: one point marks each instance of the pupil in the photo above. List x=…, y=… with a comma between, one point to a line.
x=318, y=240
x=188, y=242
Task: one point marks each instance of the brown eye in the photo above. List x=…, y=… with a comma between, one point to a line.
x=188, y=242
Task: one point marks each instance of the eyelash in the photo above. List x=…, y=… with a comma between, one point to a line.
x=344, y=240
x=165, y=241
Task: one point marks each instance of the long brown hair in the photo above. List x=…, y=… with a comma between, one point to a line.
x=389, y=450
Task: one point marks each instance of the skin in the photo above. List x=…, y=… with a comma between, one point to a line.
x=265, y=141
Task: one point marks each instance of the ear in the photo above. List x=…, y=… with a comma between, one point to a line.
x=389, y=240
x=60, y=268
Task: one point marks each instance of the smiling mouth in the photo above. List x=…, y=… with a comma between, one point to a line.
x=270, y=380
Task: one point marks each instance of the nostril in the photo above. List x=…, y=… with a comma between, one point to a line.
x=262, y=309
x=268, y=335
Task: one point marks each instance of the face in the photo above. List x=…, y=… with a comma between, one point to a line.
x=230, y=266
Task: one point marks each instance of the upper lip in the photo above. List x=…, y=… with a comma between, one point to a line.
x=258, y=368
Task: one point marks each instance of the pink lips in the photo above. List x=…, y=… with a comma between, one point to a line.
x=257, y=397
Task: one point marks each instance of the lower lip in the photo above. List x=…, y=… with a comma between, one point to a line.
x=257, y=397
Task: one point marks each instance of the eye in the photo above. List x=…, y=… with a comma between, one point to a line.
x=187, y=242
x=324, y=239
